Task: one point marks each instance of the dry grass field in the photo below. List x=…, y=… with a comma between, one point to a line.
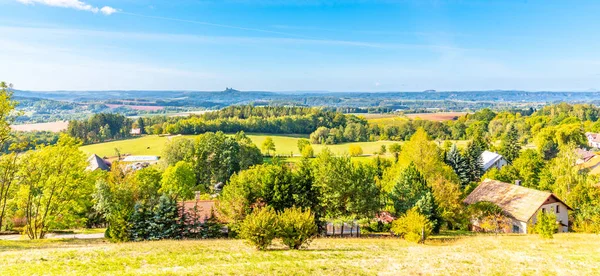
x=54, y=126
x=566, y=254
x=439, y=116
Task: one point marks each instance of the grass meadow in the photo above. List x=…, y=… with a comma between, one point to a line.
x=153, y=145
x=566, y=254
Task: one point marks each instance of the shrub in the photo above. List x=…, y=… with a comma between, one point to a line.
x=260, y=227
x=296, y=228
x=308, y=151
x=412, y=225
x=587, y=219
x=546, y=225
x=491, y=217
x=355, y=150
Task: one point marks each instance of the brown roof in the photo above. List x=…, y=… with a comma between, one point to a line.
x=518, y=202
x=204, y=208
x=584, y=155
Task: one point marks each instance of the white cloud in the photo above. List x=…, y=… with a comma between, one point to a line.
x=108, y=10
x=71, y=4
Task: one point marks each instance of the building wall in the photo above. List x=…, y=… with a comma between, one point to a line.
x=518, y=226
x=562, y=215
x=499, y=164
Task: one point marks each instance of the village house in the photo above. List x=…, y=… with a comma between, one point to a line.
x=520, y=205
x=136, y=131
x=583, y=156
x=97, y=163
x=593, y=139
x=492, y=160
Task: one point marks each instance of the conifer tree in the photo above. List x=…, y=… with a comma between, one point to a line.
x=510, y=146
x=459, y=164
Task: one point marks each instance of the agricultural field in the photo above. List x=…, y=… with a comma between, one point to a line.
x=137, y=107
x=153, y=145
x=438, y=116
x=395, y=120
x=53, y=126
x=566, y=254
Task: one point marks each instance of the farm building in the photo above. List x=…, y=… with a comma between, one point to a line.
x=593, y=139
x=141, y=158
x=97, y=163
x=492, y=160
x=521, y=205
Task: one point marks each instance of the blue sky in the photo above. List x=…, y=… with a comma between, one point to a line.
x=294, y=45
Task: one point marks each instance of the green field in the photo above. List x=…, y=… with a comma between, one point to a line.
x=566, y=254
x=153, y=145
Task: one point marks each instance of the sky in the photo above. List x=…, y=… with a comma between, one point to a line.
x=300, y=45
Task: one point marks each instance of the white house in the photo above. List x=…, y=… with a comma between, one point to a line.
x=593, y=139
x=135, y=131
x=521, y=205
x=492, y=160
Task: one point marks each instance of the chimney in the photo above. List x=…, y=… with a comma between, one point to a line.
x=518, y=182
x=198, y=193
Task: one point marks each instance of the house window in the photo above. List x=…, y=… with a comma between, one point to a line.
x=557, y=209
x=543, y=210
x=516, y=229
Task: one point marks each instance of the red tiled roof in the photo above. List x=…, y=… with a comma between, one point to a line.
x=204, y=208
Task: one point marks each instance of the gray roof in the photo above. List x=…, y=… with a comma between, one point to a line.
x=488, y=158
x=95, y=163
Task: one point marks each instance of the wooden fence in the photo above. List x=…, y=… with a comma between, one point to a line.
x=342, y=229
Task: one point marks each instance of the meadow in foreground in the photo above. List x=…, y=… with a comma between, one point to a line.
x=566, y=254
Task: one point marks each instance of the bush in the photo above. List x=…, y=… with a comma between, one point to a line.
x=296, y=228
x=411, y=226
x=308, y=152
x=355, y=150
x=546, y=225
x=260, y=227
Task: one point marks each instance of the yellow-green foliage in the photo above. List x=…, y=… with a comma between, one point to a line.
x=412, y=226
x=355, y=150
x=260, y=227
x=546, y=224
x=296, y=228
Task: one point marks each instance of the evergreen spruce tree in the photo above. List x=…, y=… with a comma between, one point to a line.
x=412, y=191
x=510, y=146
x=165, y=223
x=140, y=223
x=459, y=164
x=211, y=228
x=473, y=159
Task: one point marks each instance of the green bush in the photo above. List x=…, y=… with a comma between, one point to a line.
x=412, y=225
x=546, y=225
x=260, y=227
x=296, y=228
